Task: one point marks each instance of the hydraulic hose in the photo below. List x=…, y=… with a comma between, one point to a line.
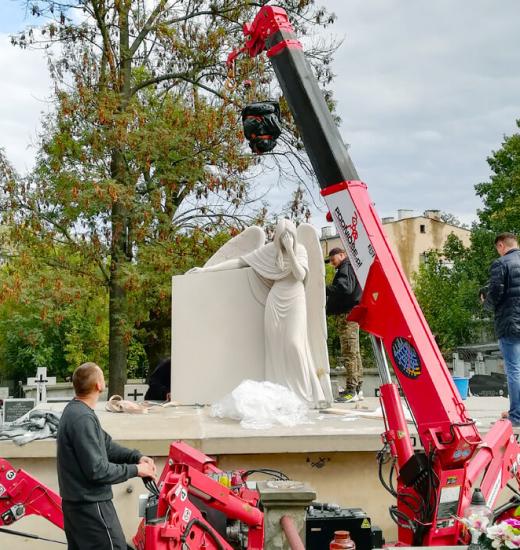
x=293, y=537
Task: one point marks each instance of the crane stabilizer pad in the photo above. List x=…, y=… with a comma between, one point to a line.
x=262, y=125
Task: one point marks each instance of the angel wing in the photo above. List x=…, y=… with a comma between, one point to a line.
x=315, y=298
x=250, y=239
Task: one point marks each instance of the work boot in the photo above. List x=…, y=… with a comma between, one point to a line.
x=347, y=397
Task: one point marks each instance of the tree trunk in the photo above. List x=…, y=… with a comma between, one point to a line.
x=117, y=341
x=120, y=246
x=157, y=344
x=117, y=344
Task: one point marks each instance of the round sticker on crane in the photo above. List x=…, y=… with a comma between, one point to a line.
x=406, y=357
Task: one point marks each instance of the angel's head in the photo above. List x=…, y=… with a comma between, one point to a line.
x=283, y=227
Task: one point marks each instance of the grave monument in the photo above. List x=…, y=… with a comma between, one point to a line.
x=40, y=381
x=254, y=311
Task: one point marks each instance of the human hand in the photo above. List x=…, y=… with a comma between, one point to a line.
x=145, y=469
x=146, y=460
x=195, y=270
x=287, y=241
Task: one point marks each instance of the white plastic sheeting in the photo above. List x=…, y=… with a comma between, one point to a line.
x=262, y=405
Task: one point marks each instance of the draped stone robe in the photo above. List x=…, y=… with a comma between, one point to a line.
x=288, y=358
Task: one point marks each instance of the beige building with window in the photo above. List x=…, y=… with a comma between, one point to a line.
x=410, y=236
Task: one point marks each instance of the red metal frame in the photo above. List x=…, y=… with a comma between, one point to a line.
x=269, y=21
x=22, y=495
x=390, y=310
x=190, y=473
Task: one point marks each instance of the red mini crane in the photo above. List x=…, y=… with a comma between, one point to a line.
x=434, y=482
x=434, y=479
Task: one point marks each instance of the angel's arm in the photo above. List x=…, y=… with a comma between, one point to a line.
x=234, y=263
x=297, y=269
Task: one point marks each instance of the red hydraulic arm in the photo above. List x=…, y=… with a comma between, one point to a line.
x=434, y=483
x=192, y=492
x=195, y=505
x=22, y=495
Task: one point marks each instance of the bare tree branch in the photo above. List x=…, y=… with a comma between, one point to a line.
x=147, y=27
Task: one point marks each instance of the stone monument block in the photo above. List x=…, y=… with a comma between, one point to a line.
x=217, y=335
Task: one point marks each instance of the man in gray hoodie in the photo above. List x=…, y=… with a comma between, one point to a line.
x=89, y=462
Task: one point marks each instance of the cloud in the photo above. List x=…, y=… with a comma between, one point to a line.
x=23, y=98
x=426, y=90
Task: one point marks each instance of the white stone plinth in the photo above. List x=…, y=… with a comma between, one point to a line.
x=217, y=335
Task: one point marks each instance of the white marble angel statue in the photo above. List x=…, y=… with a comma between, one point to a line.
x=288, y=278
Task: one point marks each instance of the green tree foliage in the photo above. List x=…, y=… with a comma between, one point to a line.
x=442, y=288
x=48, y=317
x=501, y=194
x=447, y=288
x=447, y=285
x=332, y=333
x=141, y=168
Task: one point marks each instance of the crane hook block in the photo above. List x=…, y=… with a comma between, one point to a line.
x=262, y=125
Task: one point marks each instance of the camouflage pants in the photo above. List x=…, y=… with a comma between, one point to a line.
x=350, y=355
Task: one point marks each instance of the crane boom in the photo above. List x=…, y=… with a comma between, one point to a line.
x=441, y=475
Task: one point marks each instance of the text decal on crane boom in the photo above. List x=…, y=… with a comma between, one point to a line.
x=352, y=232
x=406, y=357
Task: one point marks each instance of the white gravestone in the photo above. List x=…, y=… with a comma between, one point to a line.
x=4, y=393
x=135, y=392
x=40, y=381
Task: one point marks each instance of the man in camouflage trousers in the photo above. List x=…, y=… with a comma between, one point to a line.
x=348, y=332
x=342, y=295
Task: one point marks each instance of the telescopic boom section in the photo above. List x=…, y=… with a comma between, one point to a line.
x=389, y=309
x=272, y=31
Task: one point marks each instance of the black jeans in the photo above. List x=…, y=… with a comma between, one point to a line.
x=92, y=526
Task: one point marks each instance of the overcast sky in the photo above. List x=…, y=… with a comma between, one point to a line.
x=426, y=90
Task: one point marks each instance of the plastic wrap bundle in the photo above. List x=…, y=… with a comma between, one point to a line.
x=262, y=125
x=260, y=405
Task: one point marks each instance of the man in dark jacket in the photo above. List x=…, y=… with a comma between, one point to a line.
x=160, y=382
x=503, y=297
x=342, y=295
x=89, y=462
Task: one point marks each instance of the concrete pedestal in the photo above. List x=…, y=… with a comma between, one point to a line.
x=336, y=455
x=284, y=498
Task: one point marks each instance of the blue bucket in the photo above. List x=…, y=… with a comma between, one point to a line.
x=462, y=385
